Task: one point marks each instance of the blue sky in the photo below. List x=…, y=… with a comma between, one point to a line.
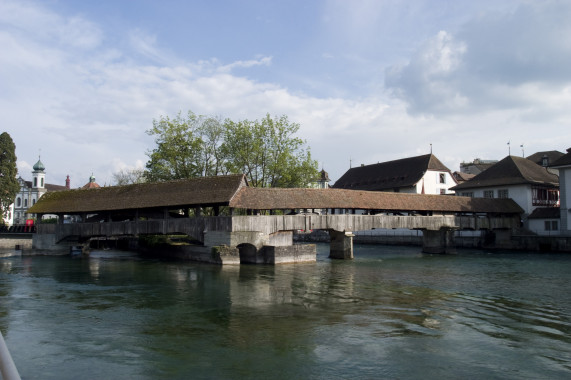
x=368, y=81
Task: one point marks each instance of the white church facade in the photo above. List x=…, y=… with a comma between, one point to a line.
x=30, y=192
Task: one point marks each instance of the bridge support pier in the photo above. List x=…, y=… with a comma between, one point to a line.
x=439, y=241
x=254, y=247
x=341, y=244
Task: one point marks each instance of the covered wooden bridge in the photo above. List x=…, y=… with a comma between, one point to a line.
x=249, y=224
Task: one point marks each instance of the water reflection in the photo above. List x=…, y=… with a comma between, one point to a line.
x=396, y=313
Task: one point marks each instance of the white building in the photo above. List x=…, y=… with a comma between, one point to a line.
x=322, y=182
x=563, y=164
x=30, y=192
x=533, y=187
x=418, y=175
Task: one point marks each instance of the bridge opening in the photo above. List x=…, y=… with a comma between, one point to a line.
x=248, y=254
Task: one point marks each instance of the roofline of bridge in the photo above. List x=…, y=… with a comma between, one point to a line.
x=233, y=191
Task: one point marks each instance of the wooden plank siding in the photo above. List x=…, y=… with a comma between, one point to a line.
x=195, y=227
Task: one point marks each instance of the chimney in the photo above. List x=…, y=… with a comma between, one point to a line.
x=67, y=183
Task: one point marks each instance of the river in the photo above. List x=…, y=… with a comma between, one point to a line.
x=391, y=313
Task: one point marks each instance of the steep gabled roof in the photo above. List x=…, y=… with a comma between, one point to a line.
x=564, y=160
x=401, y=173
x=512, y=170
x=188, y=192
x=284, y=199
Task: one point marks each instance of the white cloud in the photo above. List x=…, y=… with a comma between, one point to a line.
x=491, y=63
x=263, y=61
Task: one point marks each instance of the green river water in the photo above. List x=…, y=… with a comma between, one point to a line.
x=391, y=313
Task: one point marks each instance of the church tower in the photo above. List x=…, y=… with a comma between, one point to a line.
x=39, y=175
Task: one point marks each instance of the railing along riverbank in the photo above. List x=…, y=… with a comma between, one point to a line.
x=7, y=367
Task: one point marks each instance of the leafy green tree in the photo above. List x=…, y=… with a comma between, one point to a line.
x=8, y=171
x=211, y=131
x=268, y=152
x=178, y=153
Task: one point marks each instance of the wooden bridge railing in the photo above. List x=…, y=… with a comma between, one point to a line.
x=195, y=227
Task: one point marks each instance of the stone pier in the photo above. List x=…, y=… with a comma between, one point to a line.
x=440, y=241
x=341, y=244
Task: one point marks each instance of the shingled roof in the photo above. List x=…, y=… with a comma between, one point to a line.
x=512, y=170
x=551, y=155
x=401, y=173
x=268, y=199
x=233, y=191
x=182, y=193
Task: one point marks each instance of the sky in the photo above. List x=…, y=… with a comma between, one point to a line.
x=367, y=80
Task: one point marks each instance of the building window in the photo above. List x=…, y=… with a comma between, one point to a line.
x=33, y=202
x=35, y=182
x=551, y=225
x=468, y=194
x=442, y=177
x=542, y=196
x=42, y=182
x=488, y=193
x=442, y=191
x=25, y=203
x=503, y=193
x=18, y=202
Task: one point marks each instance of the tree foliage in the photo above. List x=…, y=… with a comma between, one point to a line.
x=178, y=151
x=8, y=171
x=266, y=150
x=128, y=176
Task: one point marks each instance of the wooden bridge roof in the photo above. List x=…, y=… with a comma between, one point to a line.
x=233, y=191
x=268, y=199
x=189, y=192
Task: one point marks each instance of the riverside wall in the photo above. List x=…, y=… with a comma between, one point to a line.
x=16, y=242
x=482, y=241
